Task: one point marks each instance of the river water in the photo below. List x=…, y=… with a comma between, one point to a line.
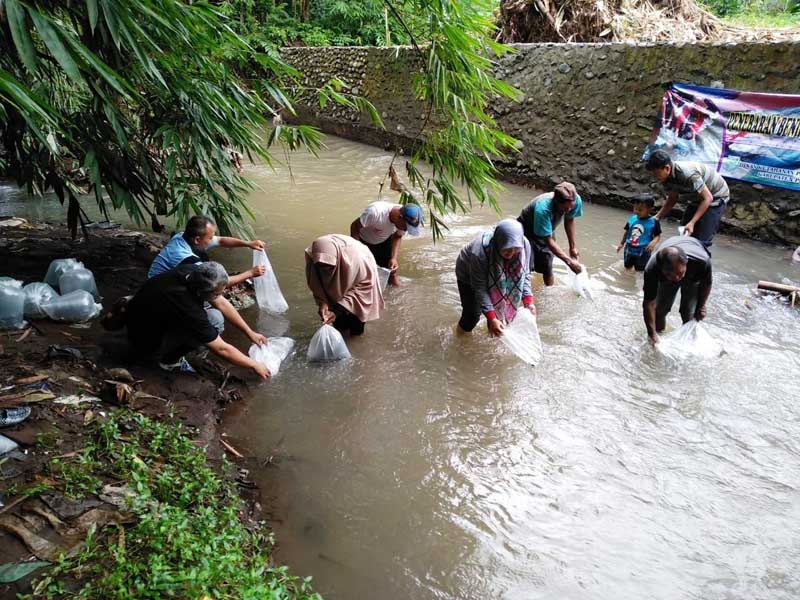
x=434, y=466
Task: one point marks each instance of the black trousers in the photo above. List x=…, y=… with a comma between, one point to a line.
x=347, y=321
x=708, y=225
x=470, y=311
x=666, y=298
x=382, y=252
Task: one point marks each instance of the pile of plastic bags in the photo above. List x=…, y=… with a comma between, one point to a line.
x=522, y=338
x=327, y=345
x=268, y=292
x=273, y=353
x=691, y=340
x=38, y=300
x=12, y=304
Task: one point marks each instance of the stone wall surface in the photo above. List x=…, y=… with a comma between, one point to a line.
x=586, y=112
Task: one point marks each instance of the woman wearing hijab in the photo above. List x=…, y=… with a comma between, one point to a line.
x=493, y=275
x=342, y=274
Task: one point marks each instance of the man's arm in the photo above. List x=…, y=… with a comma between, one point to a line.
x=355, y=229
x=705, y=201
x=649, y=314
x=574, y=265
x=232, y=316
x=569, y=227
x=624, y=237
x=232, y=242
x=230, y=353
x=393, y=264
x=672, y=198
x=244, y=275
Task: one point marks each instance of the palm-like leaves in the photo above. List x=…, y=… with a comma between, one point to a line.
x=134, y=94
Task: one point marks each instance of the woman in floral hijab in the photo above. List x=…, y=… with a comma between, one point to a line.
x=493, y=275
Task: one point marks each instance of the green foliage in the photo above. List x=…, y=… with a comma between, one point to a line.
x=77, y=473
x=457, y=82
x=140, y=103
x=187, y=540
x=132, y=101
x=757, y=13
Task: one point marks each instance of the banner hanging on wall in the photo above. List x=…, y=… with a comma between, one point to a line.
x=749, y=136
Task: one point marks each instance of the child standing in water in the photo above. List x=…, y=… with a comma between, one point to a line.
x=642, y=233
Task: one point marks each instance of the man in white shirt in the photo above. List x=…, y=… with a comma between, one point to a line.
x=381, y=227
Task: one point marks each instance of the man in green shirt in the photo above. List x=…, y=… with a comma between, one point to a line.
x=701, y=219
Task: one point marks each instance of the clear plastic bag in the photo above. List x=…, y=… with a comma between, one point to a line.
x=7, y=445
x=76, y=307
x=58, y=267
x=10, y=281
x=273, y=353
x=268, y=292
x=78, y=279
x=12, y=305
x=580, y=283
x=383, y=277
x=326, y=345
x=36, y=295
x=690, y=340
x=522, y=338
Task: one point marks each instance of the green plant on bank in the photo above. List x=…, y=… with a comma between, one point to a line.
x=187, y=540
x=77, y=473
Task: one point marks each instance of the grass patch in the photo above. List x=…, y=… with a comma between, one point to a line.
x=766, y=20
x=187, y=540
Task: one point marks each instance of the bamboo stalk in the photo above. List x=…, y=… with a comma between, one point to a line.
x=781, y=288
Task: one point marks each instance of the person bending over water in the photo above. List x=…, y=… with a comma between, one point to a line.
x=493, y=275
x=680, y=262
x=190, y=247
x=703, y=215
x=166, y=318
x=343, y=277
x=540, y=219
x=382, y=226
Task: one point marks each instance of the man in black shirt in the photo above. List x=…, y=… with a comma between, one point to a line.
x=681, y=262
x=166, y=318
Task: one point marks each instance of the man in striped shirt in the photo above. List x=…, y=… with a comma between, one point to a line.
x=701, y=219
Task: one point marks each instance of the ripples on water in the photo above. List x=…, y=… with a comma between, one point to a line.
x=431, y=466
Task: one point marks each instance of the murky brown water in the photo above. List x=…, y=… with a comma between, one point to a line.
x=431, y=466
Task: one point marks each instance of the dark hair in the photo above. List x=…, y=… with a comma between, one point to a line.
x=668, y=258
x=647, y=199
x=196, y=227
x=658, y=160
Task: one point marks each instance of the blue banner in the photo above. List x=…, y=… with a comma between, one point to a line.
x=750, y=136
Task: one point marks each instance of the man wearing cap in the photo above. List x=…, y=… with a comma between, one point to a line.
x=381, y=227
x=703, y=215
x=539, y=220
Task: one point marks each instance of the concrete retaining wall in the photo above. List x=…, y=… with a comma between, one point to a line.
x=586, y=113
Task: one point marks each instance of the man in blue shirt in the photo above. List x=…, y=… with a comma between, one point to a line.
x=541, y=217
x=191, y=247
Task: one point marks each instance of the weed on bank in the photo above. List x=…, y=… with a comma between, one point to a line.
x=183, y=538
